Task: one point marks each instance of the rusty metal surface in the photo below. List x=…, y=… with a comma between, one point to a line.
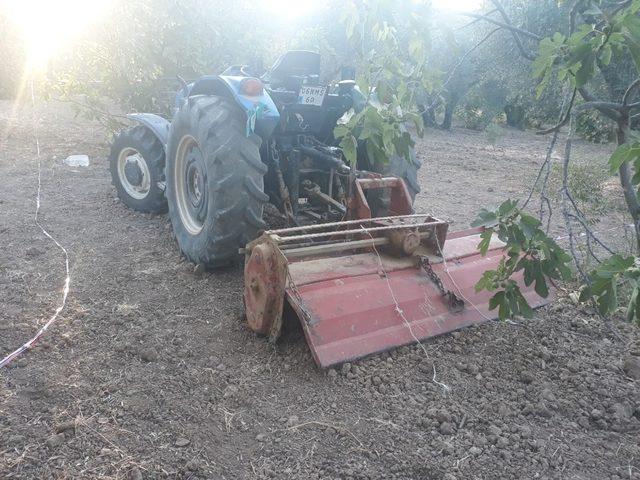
x=270, y=259
x=335, y=226
x=369, y=285
x=399, y=204
x=351, y=316
x=328, y=268
x=265, y=273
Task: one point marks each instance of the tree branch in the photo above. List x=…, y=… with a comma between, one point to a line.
x=619, y=6
x=458, y=64
x=579, y=216
x=562, y=122
x=627, y=95
x=565, y=209
x=612, y=113
x=599, y=105
x=610, y=109
x=533, y=36
x=573, y=15
x=472, y=22
x=547, y=160
x=586, y=95
x=546, y=166
x=516, y=34
x=467, y=53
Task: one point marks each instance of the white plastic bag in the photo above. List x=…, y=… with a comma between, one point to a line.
x=77, y=160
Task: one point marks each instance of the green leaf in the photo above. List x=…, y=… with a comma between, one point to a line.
x=540, y=88
x=585, y=294
x=529, y=225
x=529, y=220
x=541, y=287
x=604, y=282
x=631, y=24
x=634, y=49
x=621, y=155
x=527, y=249
x=340, y=131
x=485, y=241
x=632, y=308
x=608, y=300
x=486, y=282
x=605, y=55
x=636, y=310
x=496, y=300
x=508, y=207
x=503, y=311
x=542, y=66
x=585, y=72
x=529, y=271
x=524, y=308
x=486, y=218
x=349, y=146
x=512, y=299
x=615, y=264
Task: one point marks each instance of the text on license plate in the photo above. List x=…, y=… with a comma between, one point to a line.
x=311, y=95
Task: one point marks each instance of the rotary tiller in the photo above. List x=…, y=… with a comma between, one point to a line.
x=366, y=285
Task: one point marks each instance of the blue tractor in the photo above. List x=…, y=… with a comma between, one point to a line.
x=237, y=141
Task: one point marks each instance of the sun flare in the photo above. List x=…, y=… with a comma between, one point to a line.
x=49, y=26
x=457, y=5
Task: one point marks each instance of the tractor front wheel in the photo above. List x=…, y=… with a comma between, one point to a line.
x=214, y=180
x=137, y=163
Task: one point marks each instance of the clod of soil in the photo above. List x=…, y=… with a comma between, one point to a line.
x=632, y=367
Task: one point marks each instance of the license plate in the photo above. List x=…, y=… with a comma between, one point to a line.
x=312, y=95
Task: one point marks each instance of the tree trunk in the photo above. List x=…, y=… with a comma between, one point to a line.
x=449, y=108
x=428, y=115
x=448, y=118
x=626, y=175
x=515, y=116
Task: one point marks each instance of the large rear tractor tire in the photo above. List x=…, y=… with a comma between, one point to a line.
x=215, y=185
x=136, y=163
x=407, y=171
x=396, y=167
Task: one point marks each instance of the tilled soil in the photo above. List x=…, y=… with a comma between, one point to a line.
x=151, y=373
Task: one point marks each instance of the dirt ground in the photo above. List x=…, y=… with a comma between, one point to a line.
x=150, y=372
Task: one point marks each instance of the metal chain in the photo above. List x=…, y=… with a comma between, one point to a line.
x=455, y=303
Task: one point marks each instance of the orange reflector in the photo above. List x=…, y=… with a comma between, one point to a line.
x=251, y=87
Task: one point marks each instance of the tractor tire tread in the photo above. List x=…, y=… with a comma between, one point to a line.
x=150, y=147
x=408, y=171
x=235, y=179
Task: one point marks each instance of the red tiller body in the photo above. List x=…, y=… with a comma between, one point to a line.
x=370, y=284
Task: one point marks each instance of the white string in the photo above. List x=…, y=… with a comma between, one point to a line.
x=446, y=269
x=65, y=291
x=399, y=311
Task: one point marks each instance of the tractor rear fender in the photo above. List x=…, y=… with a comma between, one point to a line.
x=262, y=106
x=159, y=126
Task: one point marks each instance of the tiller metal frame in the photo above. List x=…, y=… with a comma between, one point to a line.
x=366, y=285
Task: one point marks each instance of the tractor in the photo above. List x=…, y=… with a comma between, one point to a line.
x=236, y=142
x=361, y=270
